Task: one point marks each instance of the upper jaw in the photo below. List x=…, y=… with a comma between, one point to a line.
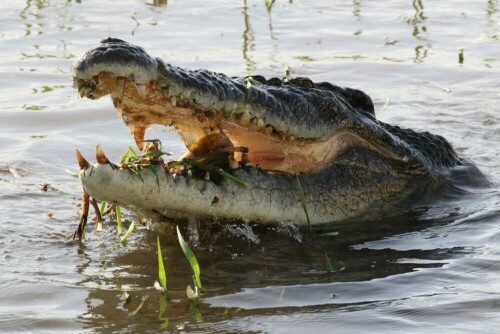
x=297, y=125
x=119, y=57
x=290, y=109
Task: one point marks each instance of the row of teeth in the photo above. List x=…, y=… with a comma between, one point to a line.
x=86, y=88
x=177, y=170
x=99, y=155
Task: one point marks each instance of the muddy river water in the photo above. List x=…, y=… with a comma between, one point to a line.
x=430, y=65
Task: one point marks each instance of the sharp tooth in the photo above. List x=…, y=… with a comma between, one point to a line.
x=260, y=123
x=118, y=106
x=139, y=137
x=244, y=159
x=99, y=155
x=268, y=129
x=141, y=89
x=120, y=87
x=173, y=100
x=77, y=82
x=189, y=173
x=245, y=117
x=207, y=176
x=233, y=164
x=136, y=131
x=82, y=92
x=81, y=160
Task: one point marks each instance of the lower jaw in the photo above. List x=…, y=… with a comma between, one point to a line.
x=181, y=197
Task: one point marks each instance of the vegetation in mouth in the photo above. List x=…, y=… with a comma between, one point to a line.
x=136, y=163
x=154, y=155
x=213, y=129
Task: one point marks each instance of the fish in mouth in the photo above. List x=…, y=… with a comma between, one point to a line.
x=267, y=132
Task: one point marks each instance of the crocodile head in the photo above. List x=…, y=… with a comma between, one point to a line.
x=269, y=133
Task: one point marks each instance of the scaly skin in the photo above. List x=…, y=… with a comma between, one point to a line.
x=351, y=165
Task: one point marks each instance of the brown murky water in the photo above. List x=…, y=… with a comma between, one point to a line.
x=437, y=270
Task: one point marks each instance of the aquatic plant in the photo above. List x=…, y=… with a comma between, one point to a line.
x=163, y=307
x=136, y=162
x=461, y=56
x=303, y=202
x=127, y=234
x=329, y=267
x=118, y=219
x=269, y=5
x=193, y=294
x=162, y=274
x=154, y=155
x=212, y=169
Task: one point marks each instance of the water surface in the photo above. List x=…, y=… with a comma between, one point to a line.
x=435, y=270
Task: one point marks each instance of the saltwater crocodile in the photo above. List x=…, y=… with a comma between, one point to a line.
x=278, y=135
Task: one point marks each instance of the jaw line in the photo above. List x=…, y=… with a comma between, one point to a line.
x=141, y=105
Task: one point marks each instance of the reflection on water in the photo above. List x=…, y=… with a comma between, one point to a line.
x=492, y=8
x=356, y=7
x=248, y=41
x=158, y=3
x=415, y=273
x=419, y=31
x=419, y=20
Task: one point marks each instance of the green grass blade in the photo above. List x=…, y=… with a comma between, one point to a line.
x=135, y=170
x=98, y=226
x=103, y=206
x=302, y=195
x=153, y=170
x=234, y=178
x=128, y=233
x=132, y=150
x=329, y=267
x=125, y=157
x=215, y=170
x=191, y=258
x=154, y=154
x=328, y=234
x=303, y=202
x=119, y=219
x=162, y=275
